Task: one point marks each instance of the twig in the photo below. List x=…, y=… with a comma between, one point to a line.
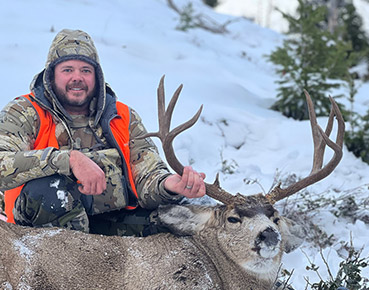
x=311, y=263
x=201, y=20
x=326, y=264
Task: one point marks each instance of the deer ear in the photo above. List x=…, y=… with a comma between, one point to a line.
x=292, y=234
x=184, y=220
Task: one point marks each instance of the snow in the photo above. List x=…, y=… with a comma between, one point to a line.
x=263, y=13
x=228, y=74
x=267, y=13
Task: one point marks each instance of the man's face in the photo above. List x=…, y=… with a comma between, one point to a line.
x=74, y=85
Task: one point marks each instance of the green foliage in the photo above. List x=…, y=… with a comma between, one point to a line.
x=349, y=272
x=310, y=58
x=355, y=33
x=347, y=208
x=357, y=139
x=228, y=166
x=211, y=3
x=186, y=20
x=304, y=208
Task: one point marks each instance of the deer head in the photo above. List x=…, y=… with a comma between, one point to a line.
x=249, y=229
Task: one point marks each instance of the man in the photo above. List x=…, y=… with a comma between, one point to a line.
x=70, y=157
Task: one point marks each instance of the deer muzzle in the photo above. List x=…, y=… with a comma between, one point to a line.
x=267, y=243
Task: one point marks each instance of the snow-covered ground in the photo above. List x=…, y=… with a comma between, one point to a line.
x=237, y=135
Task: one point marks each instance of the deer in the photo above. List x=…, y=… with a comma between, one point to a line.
x=236, y=244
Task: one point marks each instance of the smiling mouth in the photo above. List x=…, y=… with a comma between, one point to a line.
x=77, y=92
x=76, y=89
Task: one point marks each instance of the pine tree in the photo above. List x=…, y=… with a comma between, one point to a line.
x=311, y=58
x=211, y=3
x=357, y=139
x=354, y=32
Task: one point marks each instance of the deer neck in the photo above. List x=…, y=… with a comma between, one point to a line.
x=232, y=275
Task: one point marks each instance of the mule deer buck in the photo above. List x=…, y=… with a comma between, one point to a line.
x=234, y=245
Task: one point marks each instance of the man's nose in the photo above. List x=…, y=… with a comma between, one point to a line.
x=77, y=76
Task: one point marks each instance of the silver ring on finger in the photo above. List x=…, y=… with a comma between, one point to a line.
x=188, y=187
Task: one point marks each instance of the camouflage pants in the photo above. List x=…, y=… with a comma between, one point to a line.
x=55, y=201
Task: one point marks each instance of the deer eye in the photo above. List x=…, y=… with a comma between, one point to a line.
x=276, y=220
x=233, y=220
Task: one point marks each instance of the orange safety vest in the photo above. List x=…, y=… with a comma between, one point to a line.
x=46, y=138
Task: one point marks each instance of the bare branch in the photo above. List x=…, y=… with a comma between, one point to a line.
x=204, y=21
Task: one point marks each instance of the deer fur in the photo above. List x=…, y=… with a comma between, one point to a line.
x=221, y=247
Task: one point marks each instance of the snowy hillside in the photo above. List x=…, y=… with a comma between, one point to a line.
x=238, y=135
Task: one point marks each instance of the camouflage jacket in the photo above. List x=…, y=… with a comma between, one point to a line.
x=19, y=163
x=20, y=123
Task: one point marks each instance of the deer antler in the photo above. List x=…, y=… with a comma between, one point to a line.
x=166, y=136
x=320, y=140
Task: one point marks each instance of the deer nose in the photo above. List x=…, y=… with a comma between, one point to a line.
x=269, y=237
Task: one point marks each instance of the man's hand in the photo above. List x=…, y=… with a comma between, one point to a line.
x=89, y=174
x=190, y=184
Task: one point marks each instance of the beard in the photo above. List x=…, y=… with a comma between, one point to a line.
x=74, y=105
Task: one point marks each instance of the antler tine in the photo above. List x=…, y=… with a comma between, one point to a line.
x=341, y=123
x=215, y=191
x=164, y=123
x=166, y=136
x=320, y=140
x=319, y=145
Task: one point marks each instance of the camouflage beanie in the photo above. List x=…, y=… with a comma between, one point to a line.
x=74, y=44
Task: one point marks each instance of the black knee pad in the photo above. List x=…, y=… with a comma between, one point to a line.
x=51, y=191
x=46, y=187
x=55, y=192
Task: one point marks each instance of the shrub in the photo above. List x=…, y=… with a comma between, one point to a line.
x=348, y=274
